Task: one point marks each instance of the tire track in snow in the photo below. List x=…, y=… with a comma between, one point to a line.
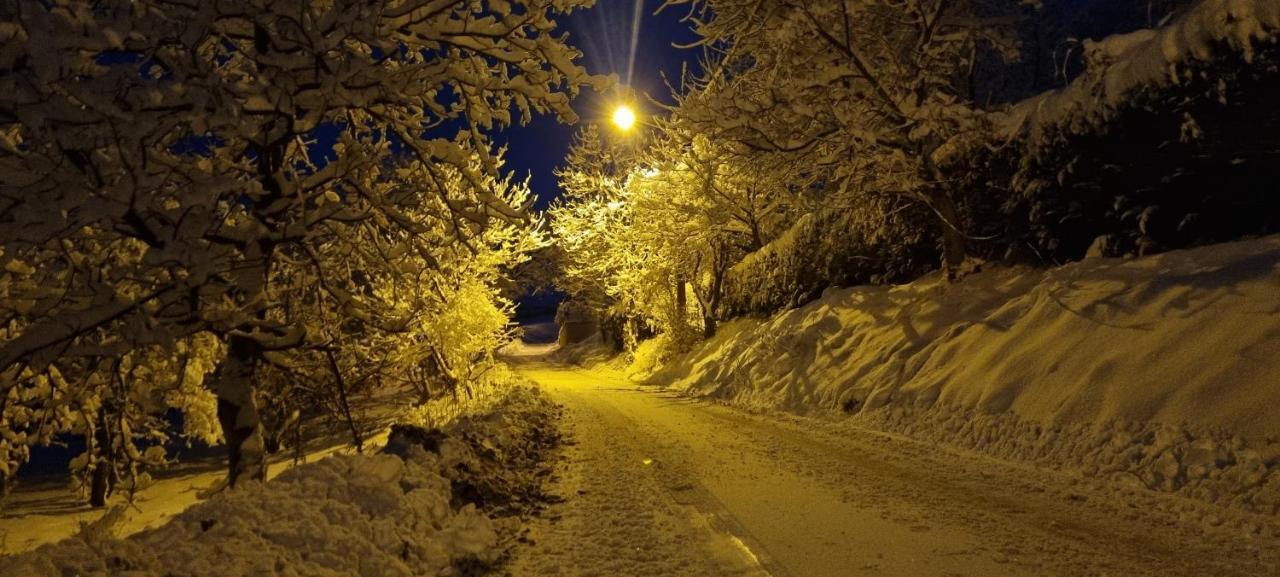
x=623, y=514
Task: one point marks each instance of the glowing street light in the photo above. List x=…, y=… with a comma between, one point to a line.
x=624, y=118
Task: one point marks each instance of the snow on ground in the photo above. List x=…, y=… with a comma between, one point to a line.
x=1162, y=372
x=345, y=515
x=433, y=503
x=543, y=332
x=523, y=349
x=658, y=484
x=46, y=510
x=617, y=518
x=49, y=512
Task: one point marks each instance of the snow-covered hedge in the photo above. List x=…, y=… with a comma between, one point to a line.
x=1124, y=67
x=828, y=248
x=1167, y=140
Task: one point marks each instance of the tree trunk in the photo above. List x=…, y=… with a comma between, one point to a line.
x=439, y=370
x=711, y=308
x=757, y=239
x=101, y=482
x=682, y=298
x=954, y=251
x=100, y=486
x=238, y=412
x=630, y=333
x=343, y=404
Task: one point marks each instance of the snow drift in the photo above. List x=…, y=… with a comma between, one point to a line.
x=1163, y=369
x=430, y=504
x=345, y=515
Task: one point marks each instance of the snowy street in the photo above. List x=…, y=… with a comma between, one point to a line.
x=645, y=288
x=656, y=484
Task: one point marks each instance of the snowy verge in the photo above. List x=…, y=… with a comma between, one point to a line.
x=498, y=460
x=1163, y=370
x=425, y=506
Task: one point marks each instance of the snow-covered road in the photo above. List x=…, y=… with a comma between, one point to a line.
x=660, y=485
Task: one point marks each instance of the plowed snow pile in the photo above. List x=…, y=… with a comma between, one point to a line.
x=1162, y=370
x=344, y=515
x=410, y=511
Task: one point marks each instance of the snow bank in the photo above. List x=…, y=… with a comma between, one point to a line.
x=344, y=515
x=423, y=507
x=1164, y=369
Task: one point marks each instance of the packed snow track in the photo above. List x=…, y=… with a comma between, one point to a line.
x=661, y=485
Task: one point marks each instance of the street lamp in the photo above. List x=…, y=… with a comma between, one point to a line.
x=624, y=118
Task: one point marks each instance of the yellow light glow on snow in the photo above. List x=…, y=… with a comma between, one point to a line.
x=624, y=118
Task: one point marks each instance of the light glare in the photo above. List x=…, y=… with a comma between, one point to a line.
x=624, y=118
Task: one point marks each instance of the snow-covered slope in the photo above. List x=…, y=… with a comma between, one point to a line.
x=1164, y=369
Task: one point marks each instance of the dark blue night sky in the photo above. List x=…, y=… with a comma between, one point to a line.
x=603, y=33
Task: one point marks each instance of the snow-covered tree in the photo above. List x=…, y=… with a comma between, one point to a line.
x=872, y=90
x=639, y=234
x=120, y=411
x=587, y=222
x=175, y=169
x=704, y=204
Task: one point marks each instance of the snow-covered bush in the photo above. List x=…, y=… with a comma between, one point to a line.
x=1160, y=138
x=1052, y=35
x=829, y=248
x=652, y=355
x=480, y=395
x=1164, y=141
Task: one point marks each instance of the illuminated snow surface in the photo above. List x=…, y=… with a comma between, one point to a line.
x=921, y=430
x=445, y=509
x=1158, y=372
x=343, y=515
x=659, y=484
x=1104, y=418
